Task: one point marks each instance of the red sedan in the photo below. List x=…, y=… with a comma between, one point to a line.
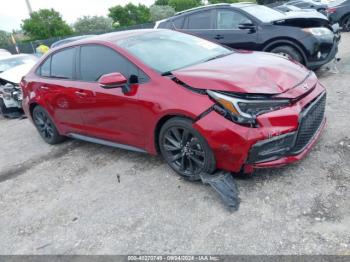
x=200, y=105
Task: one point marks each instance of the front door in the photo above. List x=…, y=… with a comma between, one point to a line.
x=235, y=29
x=109, y=113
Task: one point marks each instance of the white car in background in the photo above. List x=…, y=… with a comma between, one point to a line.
x=11, y=61
x=4, y=53
x=11, y=92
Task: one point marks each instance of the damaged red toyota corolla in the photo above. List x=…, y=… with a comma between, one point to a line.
x=202, y=106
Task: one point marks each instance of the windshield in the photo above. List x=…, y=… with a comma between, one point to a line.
x=168, y=50
x=8, y=63
x=337, y=2
x=264, y=14
x=293, y=8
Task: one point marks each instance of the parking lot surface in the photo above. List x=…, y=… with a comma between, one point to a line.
x=82, y=198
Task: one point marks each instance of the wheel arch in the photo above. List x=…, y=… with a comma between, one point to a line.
x=343, y=17
x=31, y=108
x=160, y=124
x=273, y=43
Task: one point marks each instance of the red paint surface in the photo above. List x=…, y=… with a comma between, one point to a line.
x=132, y=118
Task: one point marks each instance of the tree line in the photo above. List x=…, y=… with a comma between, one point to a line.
x=47, y=23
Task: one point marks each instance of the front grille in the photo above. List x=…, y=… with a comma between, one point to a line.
x=311, y=119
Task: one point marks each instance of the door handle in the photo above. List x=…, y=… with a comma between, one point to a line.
x=218, y=37
x=44, y=88
x=81, y=93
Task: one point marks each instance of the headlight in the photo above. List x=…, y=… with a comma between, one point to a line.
x=244, y=111
x=318, y=31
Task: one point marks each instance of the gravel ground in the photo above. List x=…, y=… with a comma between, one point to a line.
x=81, y=198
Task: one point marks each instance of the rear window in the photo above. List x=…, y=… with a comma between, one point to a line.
x=45, y=69
x=200, y=20
x=62, y=64
x=165, y=24
x=179, y=22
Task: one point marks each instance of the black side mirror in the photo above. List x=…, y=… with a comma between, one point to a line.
x=249, y=26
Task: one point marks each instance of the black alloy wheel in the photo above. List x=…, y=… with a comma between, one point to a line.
x=185, y=150
x=45, y=126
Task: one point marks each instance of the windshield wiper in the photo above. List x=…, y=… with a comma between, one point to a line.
x=167, y=73
x=218, y=56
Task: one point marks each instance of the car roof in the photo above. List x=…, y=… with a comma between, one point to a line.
x=243, y=4
x=112, y=37
x=201, y=7
x=237, y=5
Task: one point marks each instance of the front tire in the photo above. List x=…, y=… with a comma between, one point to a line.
x=288, y=52
x=185, y=150
x=346, y=24
x=46, y=126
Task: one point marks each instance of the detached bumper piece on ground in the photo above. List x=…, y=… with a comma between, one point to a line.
x=223, y=183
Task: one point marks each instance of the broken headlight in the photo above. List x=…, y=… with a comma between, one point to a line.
x=11, y=91
x=245, y=111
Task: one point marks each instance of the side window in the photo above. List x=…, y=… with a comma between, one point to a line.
x=200, y=20
x=45, y=68
x=96, y=61
x=63, y=64
x=302, y=4
x=179, y=22
x=227, y=19
x=165, y=24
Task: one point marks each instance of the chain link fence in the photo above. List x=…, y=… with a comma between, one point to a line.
x=30, y=47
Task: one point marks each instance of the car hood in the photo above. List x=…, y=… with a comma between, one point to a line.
x=245, y=72
x=15, y=74
x=303, y=19
x=307, y=13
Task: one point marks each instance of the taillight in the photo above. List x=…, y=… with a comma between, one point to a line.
x=23, y=82
x=331, y=10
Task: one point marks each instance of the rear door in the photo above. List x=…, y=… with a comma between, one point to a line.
x=200, y=23
x=59, y=89
x=235, y=29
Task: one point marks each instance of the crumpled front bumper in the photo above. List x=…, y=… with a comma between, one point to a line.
x=233, y=145
x=287, y=159
x=311, y=122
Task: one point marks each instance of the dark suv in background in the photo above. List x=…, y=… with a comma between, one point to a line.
x=308, y=4
x=339, y=12
x=306, y=38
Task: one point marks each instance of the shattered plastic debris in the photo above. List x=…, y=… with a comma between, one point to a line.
x=332, y=67
x=225, y=185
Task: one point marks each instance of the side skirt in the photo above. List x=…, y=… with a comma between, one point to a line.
x=105, y=142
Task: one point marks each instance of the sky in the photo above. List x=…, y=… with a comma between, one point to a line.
x=12, y=12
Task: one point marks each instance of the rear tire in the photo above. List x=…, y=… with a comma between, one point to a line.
x=3, y=109
x=185, y=150
x=345, y=24
x=289, y=52
x=46, y=126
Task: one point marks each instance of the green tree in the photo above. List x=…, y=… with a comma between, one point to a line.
x=224, y=1
x=161, y=2
x=159, y=12
x=129, y=15
x=4, y=38
x=180, y=5
x=45, y=23
x=89, y=24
